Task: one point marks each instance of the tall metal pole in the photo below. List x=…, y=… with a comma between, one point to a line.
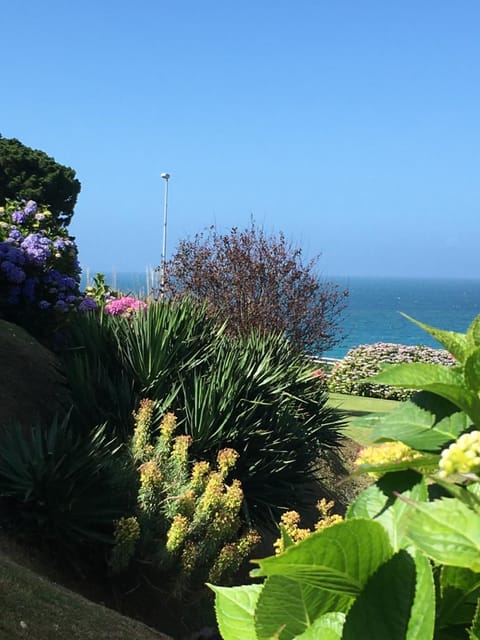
x=166, y=177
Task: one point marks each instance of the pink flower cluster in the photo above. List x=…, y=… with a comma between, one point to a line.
x=124, y=306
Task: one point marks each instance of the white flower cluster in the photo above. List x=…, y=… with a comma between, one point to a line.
x=462, y=456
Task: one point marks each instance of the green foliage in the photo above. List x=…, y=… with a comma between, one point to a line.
x=30, y=174
x=59, y=488
x=187, y=522
x=405, y=563
x=259, y=397
x=349, y=375
x=100, y=388
x=255, y=394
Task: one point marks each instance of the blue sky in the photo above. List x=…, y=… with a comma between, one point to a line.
x=351, y=126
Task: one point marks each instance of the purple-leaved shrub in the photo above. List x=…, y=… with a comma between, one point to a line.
x=347, y=376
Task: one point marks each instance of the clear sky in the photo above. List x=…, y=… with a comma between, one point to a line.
x=353, y=126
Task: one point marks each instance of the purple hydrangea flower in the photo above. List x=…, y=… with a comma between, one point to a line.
x=19, y=217
x=43, y=304
x=88, y=304
x=37, y=248
x=31, y=208
x=13, y=273
x=61, y=305
x=15, y=235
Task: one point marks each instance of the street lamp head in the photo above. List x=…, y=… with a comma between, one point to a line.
x=165, y=176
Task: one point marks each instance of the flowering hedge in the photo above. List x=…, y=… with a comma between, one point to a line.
x=39, y=270
x=347, y=376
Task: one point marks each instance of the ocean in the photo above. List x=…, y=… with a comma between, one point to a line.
x=374, y=307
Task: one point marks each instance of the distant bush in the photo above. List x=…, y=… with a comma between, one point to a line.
x=347, y=376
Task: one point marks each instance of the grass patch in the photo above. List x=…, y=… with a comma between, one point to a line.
x=356, y=406
x=34, y=607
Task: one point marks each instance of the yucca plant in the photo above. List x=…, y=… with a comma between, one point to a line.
x=62, y=488
x=259, y=397
x=158, y=345
x=100, y=388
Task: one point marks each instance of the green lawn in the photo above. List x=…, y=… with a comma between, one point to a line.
x=356, y=406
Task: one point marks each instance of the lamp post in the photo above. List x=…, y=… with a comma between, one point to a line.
x=166, y=177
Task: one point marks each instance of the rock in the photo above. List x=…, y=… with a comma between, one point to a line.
x=32, y=386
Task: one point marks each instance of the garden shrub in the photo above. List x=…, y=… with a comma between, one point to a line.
x=255, y=394
x=258, y=396
x=348, y=376
x=187, y=523
x=39, y=270
x=405, y=563
x=61, y=489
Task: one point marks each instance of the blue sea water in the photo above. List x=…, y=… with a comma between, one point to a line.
x=374, y=307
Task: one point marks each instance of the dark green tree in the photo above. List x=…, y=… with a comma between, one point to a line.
x=31, y=174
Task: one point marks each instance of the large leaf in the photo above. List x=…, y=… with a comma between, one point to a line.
x=286, y=608
x=474, y=631
x=379, y=501
x=447, y=382
x=340, y=558
x=473, y=333
x=417, y=427
x=472, y=370
x=455, y=343
x=459, y=590
x=383, y=608
x=235, y=607
x=327, y=627
x=446, y=531
x=422, y=617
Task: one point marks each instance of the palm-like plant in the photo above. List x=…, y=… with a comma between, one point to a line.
x=60, y=487
x=259, y=397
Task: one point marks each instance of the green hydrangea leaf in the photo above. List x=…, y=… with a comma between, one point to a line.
x=459, y=590
x=416, y=427
x=447, y=382
x=446, y=531
x=235, y=608
x=473, y=333
x=421, y=625
x=454, y=342
x=339, y=558
x=474, y=631
x=286, y=608
x=379, y=501
x=472, y=370
x=327, y=627
x=383, y=608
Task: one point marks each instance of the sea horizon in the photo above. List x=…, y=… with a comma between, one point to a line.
x=374, y=305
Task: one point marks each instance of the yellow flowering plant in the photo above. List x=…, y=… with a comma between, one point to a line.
x=187, y=522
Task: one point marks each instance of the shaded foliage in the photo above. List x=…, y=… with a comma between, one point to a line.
x=255, y=280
